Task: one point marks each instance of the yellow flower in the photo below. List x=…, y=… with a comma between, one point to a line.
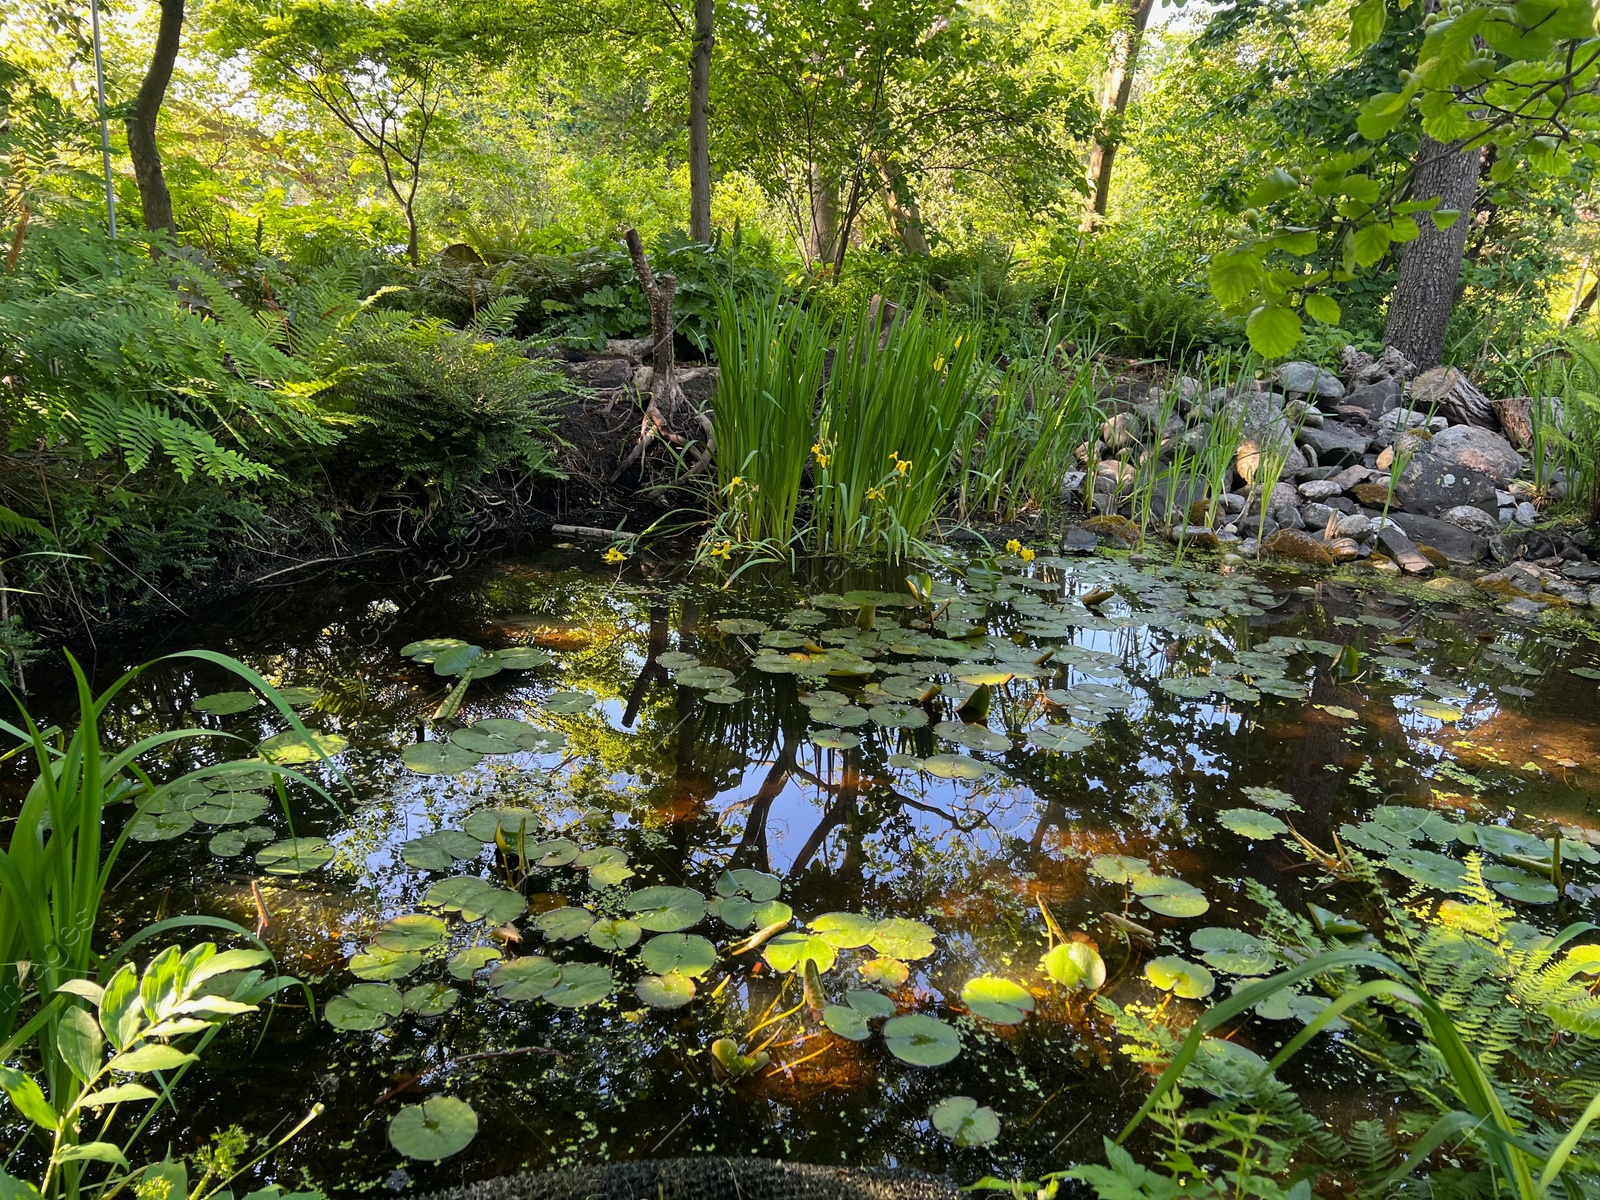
x=1026, y=554
x=875, y=493
x=613, y=555
x=722, y=551
x=822, y=459
x=1013, y=546
x=735, y=482
x=903, y=465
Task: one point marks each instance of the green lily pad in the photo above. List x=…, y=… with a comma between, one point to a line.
x=160, y=826
x=522, y=658
x=292, y=749
x=1075, y=965
x=439, y=758
x=741, y=626
x=884, y=972
x=1234, y=951
x=1273, y=798
x=666, y=909
x=511, y=823
x=902, y=938
x=897, y=716
x=614, y=933
x=664, y=991
x=363, y=1006
x=973, y=737
x=1063, y=739
x=526, y=736
x=758, y=885
x=1119, y=868
x=581, y=984
x=476, y=899
x=845, y=930
x=676, y=660
x=568, y=704
x=413, y=931
x=437, y=1128
x=738, y=913
x=1171, y=897
x=441, y=850
x=836, y=739
x=564, y=924
x=431, y=999
x=872, y=1005
x=845, y=716
x=299, y=697
x=846, y=1022
x=481, y=741
x=704, y=678
x=995, y=999
x=1519, y=885
x=725, y=1051
x=1181, y=977
x=295, y=856
x=525, y=978
x=427, y=649
x=376, y=963
x=230, y=808
x=1429, y=869
x=222, y=704
x=955, y=766
x=964, y=1121
x=685, y=954
x=789, y=951
x=557, y=852
x=464, y=964
x=921, y=1040
x=1247, y=822
x=1437, y=711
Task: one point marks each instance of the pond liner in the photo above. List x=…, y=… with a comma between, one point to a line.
x=706, y=1179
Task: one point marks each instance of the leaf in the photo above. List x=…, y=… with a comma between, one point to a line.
x=376, y=963
x=964, y=1121
x=1234, y=951
x=226, y=703
x=847, y=1022
x=437, y=1128
x=921, y=1040
x=568, y=704
x=439, y=758
x=666, y=909
x=104, y=1152
x=1180, y=977
x=430, y=999
x=1235, y=275
x=153, y=1057
x=902, y=938
x=1371, y=243
x=955, y=766
x=525, y=978
x=686, y=954
x=1273, y=330
x=79, y=1042
x=28, y=1098
x=1171, y=897
x=614, y=934
x=464, y=964
x=363, y=1006
x=665, y=991
x=1322, y=308
x=995, y=999
x=1247, y=822
x=122, y=1093
x=294, y=749
x=413, y=931
x=564, y=924
x=870, y=1004
x=847, y=931
x=294, y=856
x=789, y=951
x=758, y=885
x=581, y=984
x=884, y=972
x=1075, y=965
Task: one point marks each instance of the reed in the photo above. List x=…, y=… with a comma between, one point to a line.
x=1015, y=457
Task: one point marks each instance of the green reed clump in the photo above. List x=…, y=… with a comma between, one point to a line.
x=763, y=415
x=892, y=416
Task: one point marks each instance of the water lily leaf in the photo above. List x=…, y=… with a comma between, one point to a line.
x=464, y=964
x=1063, y=739
x=522, y=658
x=1267, y=797
x=758, y=885
x=1247, y=822
x=739, y=913
x=1430, y=869
x=897, y=716
x=664, y=991
x=427, y=649
x=845, y=930
x=872, y=1005
x=363, y=1006
x=568, y=704
x=511, y=823
x=1234, y=951
x=1519, y=885
x=581, y=984
x=1119, y=868
x=299, y=697
x=884, y=972
x=1437, y=711
x=229, y=808
x=1171, y=897
x=790, y=951
x=1180, y=977
x=704, y=678
x=609, y=874
x=221, y=704
x=741, y=626
x=682, y=953
x=836, y=739
x=228, y=843
x=437, y=1128
x=724, y=695
x=964, y=1121
x=725, y=1051
x=955, y=766
x=242, y=780
x=1332, y=924
x=481, y=741
x=921, y=1040
x=1075, y=965
x=995, y=999
x=453, y=659
x=900, y=937
x=973, y=737
x=525, y=978
x=524, y=735
x=846, y=716
x=295, y=856
x=476, y=899
x=441, y=850
x=615, y=933
x=564, y=924
x=413, y=931
x=376, y=963
x=557, y=852
x=431, y=999
x=846, y=1022
x=439, y=758
x=676, y=660
x=292, y=749
x=160, y=826
x=666, y=909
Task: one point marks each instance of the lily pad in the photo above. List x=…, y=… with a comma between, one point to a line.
x=666, y=909
x=704, y=678
x=921, y=1040
x=437, y=1128
x=229, y=808
x=902, y=938
x=897, y=716
x=1234, y=951
x=664, y=991
x=464, y=964
x=564, y=924
x=431, y=999
x=1119, y=868
x=441, y=850
x=955, y=766
x=873, y=1005
x=481, y=741
x=299, y=697
x=1519, y=885
x=1170, y=897
x=836, y=739
x=1181, y=977
x=741, y=626
x=295, y=856
x=1273, y=798
x=160, y=826
x=1247, y=822
x=363, y=1006
x=845, y=930
x=522, y=658
x=376, y=963
x=526, y=736
x=413, y=931
x=525, y=978
x=439, y=758
x=511, y=823
x=292, y=749
x=846, y=1022
x=476, y=899
x=789, y=951
x=1063, y=739
x=678, y=953
x=999, y=1000
x=964, y=1121
x=758, y=885
x=614, y=933
x=1075, y=965
x=1437, y=711
x=221, y=704
x=568, y=704
x=736, y=912
x=581, y=984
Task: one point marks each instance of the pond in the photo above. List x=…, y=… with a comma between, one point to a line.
x=700, y=790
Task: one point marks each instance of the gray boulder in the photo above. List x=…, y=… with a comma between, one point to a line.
x=1308, y=379
x=1480, y=449
x=1473, y=520
x=1373, y=401
x=1319, y=489
x=1455, y=543
x=1429, y=487
x=1335, y=442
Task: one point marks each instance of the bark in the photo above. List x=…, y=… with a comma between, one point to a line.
x=1582, y=308
x=700, y=123
x=1425, y=291
x=905, y=217
x=1114, y=94
x=823, y=234
x=154, y=198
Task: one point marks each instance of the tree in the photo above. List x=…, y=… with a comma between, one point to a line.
x=154, y=198
x=1419, y=308
x=700, y=123
x=1115, y=91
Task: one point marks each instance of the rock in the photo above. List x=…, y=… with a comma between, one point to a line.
x=1372, y=401
x=1447, y=390
x=1355, y=526
x=1374, y=494
x=1482, y=450
x=1344, y=550
x=1077, y=540
x=1401, y=418
x=1320, y=489
x=1583, y=572
x=1523, y=607
x=1122, y=431
x=1361, y=369
x=1072, y=484
x=600, y=373
x=1308, y=379
x=1456, y=543
x=1276, y=442
x=1335, y=442
x=1350, y=476
x=1199, y=537
x=1232, y=503
x=1255, y=527
x=1594, y=596
x=1113, y=528
x=1573, y=594
x=1404, y=550
x=1299, y=546
x=1317, y=515
x=1529, y=543
x=1288, y=518
x=1314, y=474
x=1515, y=414
x=1284, y=496
x=1430, y=487
x=1472, y=519
x=1433, y=554
x=1525, y=514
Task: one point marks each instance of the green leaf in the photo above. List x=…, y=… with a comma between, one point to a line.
x=964, y=1121
x=28, y=1098
x=1300, y=242
x=437, y=1128
x=79, y=1042
x=1322, y=308
x=790, y=951
x=921, y=1040
x=1367, y=21
x=666, y=909
x=1247, y=822
x=294, y=856
x=1371, y=243
x=581, y=984
x=902, y=938
x=1380, y=114
x=847, y=931
x=999, y=1000
x=847, y=1022
x=684, y=953
x=1180, y=977
x=1235, y=275
x=1277, y=184
x=671, y=990
x=92, y=1152
x=363, y=1006
x=525, y=978
x=1273, y=330
x=154, y=1057
x=122, y=1093
x=1443, y=218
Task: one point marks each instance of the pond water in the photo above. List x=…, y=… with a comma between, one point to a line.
x=952, y=774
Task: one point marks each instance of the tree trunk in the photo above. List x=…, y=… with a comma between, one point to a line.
x=824, y=232
x=1425, y=292
x=905, y=217
x=700, y=123
x=154, y=198
x=1114, y=94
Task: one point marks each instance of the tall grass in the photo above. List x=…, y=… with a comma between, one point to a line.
x=892, y=415
x=772, y=356
x=1570, y=442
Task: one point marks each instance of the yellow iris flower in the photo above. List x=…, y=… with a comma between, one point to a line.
x=1013, y=546
x=722, y=551
x=613, y=555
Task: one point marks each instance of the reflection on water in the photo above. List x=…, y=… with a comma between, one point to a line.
x=1122, y=726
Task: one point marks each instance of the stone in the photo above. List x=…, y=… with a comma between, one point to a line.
x=1361, y=369
x=1430, y=487
x=1320, y=489
x=1525, y=514
x=1284, y=496
x=1373, y=400
x=1375, y=494
x=1232, y=503
x=1482, y=450
x=1401, y=418
x=1433, y=554
x=1335, y=443
x=1199, y=537
x=1350, y=476
x=1113, y=528
x=1515, y=414
x=1072, y=484
x=1077, y=540
x=1344, y=550
x=1529, y=543
x=1122, y=431
x=1472, y=519
x=1456, y=543
x=635, y=350
x=1315, y=474
x=1405, y=552
x=1308, y=379
x=1574, y=595
x=1594, y=596
x=1288, y=518
x=1447, y=390
x=1342, y=504
x=1299, y=546
x=1523, y=607
x=1255, y=527
x=1317, y=515
x=1583, y=572
x=1356, y=526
